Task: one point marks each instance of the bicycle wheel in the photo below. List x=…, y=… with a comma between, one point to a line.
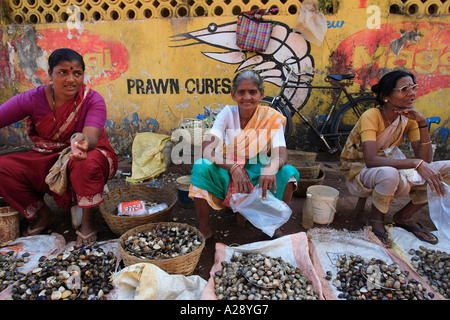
x=347, y=116
x=280, y=107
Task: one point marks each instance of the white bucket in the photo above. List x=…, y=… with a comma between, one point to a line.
x=324, y=200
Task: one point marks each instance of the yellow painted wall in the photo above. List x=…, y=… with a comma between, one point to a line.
x=127, y=57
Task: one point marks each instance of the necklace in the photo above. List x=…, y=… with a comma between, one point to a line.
x=54, y=112
x=384, y=114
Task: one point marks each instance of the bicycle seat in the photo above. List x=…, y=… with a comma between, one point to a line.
x=340, y=77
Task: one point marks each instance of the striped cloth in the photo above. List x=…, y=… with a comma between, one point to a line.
x=253, y=34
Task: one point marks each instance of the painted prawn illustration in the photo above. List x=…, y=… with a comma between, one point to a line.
x=284, y=43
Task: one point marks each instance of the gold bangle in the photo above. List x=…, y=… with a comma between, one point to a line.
x=428, y=142
x=421, y=161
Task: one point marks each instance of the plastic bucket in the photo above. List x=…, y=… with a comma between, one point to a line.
x=183, y=184
x=324, y=200
x=9, y=225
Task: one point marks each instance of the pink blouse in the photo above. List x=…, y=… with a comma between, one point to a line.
x=33, y=103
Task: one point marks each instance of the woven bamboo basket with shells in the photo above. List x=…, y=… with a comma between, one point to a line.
x=120, y=224
x=183, y=264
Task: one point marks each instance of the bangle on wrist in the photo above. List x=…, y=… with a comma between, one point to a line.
x=233, y=167
x=424, y=126
x=75, y=134
x=428, y=142
x=280, y=159
x=420, y=163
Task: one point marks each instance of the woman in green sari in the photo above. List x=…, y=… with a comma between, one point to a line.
x=245, y=147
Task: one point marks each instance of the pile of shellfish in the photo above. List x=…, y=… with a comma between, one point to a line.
x=10, y=264
x=434, y=266
x=76, y=274
x=255, y=276
x=360, y=278
x=162, y=242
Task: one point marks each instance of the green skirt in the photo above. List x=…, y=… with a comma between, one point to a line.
x=207, y=176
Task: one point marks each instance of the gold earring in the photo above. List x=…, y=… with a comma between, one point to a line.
x=385, y=100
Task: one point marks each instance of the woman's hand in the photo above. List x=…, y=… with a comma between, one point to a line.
x=432, y=177
x=268, y=178
x=79, y=146
x=411, y=113
x=240, y=181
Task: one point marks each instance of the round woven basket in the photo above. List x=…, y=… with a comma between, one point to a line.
x=298, y=155
x=303, y=184
x=307, y=169
x=184, y=264
x=121, y=224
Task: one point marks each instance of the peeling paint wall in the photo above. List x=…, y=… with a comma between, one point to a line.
x=155, y=73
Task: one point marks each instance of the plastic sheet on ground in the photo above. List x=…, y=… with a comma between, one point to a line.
x=146, y=281
x=331, y=243
x=404, y=241
x=294, y=249
x=37, y=246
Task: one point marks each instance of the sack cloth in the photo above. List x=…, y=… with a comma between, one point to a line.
x=57, y=176
x=311, y=22
x=253, y=32
x=146, y=281
x=295, y=249
x=148, y=160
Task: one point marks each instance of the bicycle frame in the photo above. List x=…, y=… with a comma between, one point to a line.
x=293, y=110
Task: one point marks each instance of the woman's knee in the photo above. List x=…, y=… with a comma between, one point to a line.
x=388, y=175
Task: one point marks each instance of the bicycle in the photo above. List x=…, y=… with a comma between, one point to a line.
x=334, y=128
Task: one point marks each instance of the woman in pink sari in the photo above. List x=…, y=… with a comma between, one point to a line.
x=71, y=158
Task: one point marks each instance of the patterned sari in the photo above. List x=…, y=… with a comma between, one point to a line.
x=23, y=174
x=247, y=150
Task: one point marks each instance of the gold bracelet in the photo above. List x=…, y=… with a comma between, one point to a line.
x=421, y=161
x=428, y=142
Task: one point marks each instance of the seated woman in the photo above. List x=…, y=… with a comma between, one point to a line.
x=64, y=117
x=370, y=172
x=245, y=147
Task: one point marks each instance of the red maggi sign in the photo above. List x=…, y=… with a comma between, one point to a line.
x=105, y=59
x=419, y=47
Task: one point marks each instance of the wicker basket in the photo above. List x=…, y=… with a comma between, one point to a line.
x=198, y=129
x=298, y=155
x=121, y=224
x=303, y=184
x=184, y=264
x=307, y=169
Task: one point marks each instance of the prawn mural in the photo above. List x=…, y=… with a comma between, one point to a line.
x=284, y=43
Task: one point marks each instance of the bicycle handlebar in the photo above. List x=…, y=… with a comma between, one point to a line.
x=297, y=74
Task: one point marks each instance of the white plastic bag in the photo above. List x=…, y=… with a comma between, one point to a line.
x=411, y=174
x=267, y=215
x=311, y=22
x=439, y=208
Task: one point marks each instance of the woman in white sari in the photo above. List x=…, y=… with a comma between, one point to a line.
x=370, y=170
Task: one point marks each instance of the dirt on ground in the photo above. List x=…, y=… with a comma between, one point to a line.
x=225, y=228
